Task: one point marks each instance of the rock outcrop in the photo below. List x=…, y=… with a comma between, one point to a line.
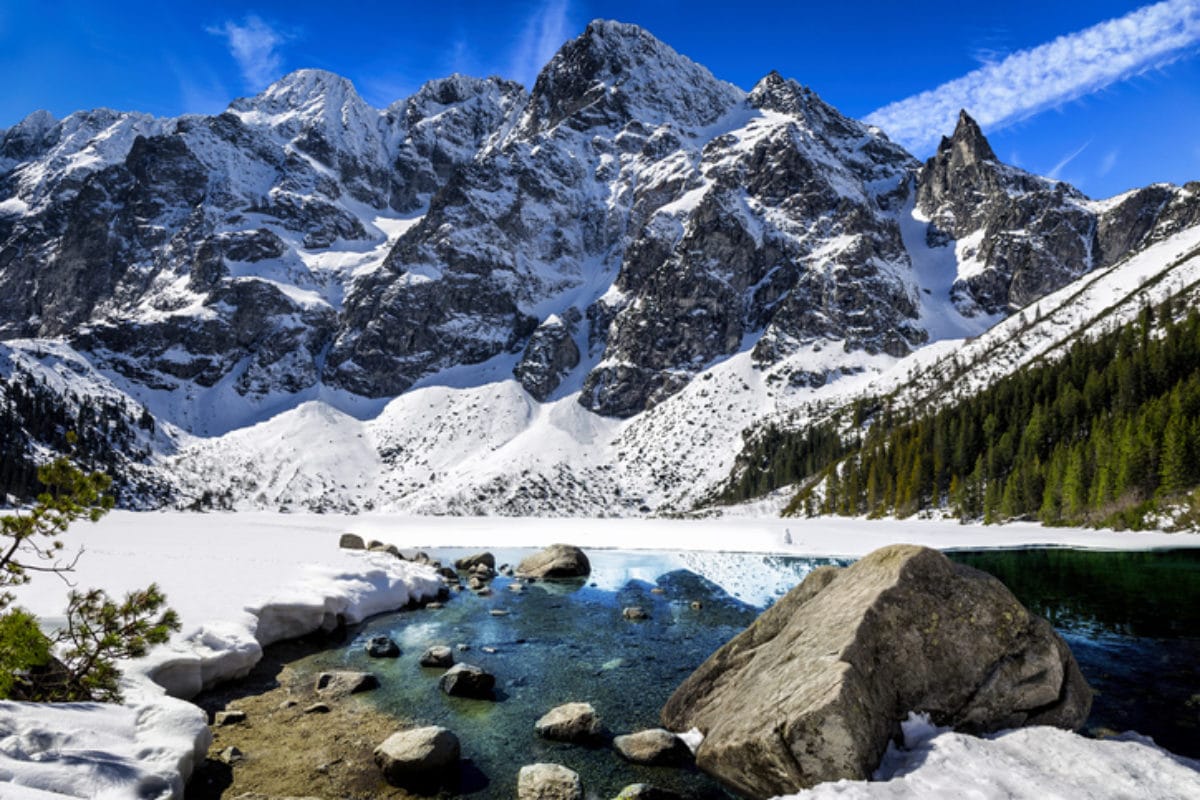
x=817, y=686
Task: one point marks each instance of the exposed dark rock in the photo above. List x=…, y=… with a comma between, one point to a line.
x=382, y=647
x=815, y=689
x=351, y=541
x=468, y=680
x=467, y=563
x=550, y=355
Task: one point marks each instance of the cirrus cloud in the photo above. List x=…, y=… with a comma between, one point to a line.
x=254, y=45
x=1032, y=80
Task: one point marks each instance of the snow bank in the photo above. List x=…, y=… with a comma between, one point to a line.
x=237, y=589
x=1035, y=763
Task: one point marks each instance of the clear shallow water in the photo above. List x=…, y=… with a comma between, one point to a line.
x=1132, y=619
x=1133, y=622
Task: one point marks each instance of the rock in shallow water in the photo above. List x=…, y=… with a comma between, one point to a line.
x=382, y=647
x=468, y=680
x=437, y=656
x=555, y=562
x=548, y=782
x=570, y=722
x=817, y=686
x=655, y=747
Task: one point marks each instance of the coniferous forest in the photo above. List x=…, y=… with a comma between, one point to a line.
x=1107, y=435
x=95, y=431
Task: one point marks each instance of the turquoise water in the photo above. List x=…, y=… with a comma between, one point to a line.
x=1132, y=619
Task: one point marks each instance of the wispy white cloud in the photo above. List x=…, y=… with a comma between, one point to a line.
x=254, y=45
x=1042, y=77
x=1108, y=162
x=1056, y=171
x=547, y=28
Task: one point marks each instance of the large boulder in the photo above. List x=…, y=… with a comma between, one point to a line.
x=555, y=562
x=817, y=686
x=418, y=756
x=570, y=722
x=548, y=782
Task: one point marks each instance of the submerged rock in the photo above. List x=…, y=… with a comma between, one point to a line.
x=570, y=722
x=418, y=756
x=656, y=747
x=548, y=782
x=814, y=690
x=468, y=680
x=556, y=561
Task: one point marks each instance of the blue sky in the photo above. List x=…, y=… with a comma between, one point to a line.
x=1059, y=88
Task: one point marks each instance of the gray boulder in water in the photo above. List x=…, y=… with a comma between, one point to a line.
x=555, y=561
x=817, y=686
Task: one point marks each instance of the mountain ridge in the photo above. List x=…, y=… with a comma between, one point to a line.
x=599, y=265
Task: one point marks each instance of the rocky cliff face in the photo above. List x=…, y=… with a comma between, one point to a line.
x=608, y=236
x=1021, y=237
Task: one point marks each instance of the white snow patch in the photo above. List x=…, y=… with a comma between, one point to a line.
x=1024, y=764
x=236, y=587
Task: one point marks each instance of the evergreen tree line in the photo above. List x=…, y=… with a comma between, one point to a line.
x=1108, y=434
x=1105, y=435
x=97, y=432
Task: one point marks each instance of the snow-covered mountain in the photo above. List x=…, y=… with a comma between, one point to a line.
x=571, y=300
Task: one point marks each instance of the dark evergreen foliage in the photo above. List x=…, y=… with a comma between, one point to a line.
x=102, y=434
x=1107, y=435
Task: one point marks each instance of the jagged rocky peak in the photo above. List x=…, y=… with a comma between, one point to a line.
x=967, y=145
x=614, y=73
x=1034, y=235
x=28, y=138
x=863, y=148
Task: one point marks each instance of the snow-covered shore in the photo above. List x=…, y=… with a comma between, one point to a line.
x=240, y=581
